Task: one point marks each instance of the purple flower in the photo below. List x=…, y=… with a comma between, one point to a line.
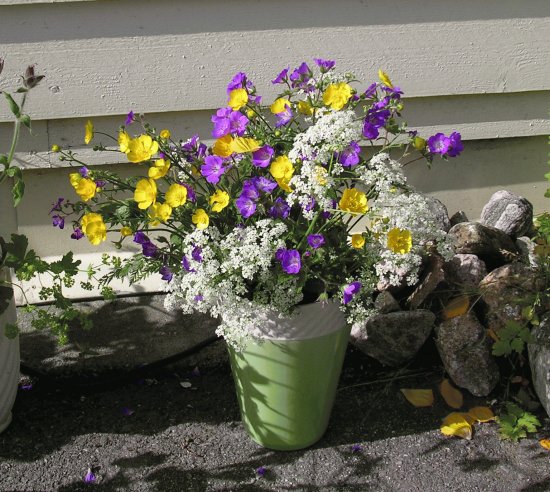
x=393, y=92
x=371, y=91
x=356, y=448
x=212, y=169
x=262, y=156
x=250, y=190
x=300, y=76
x=254, y=99
x=290, y=260
x=280, y=79
x=260, y=471
x=56, y=207
x=315, y=240
x=439, y=144
x=350, y=290
x=198, y=298
x=192, y=150
x=246, y=206
x=100, y=183
x=140, y=237
x=77, y=234
x=196, y=254
x=126, y=411
x=237, y=123
x=90, y=476
x=324, y=65
x=284, y=117
x=186, y=265
x=166, y=273
x=456, y=146
x=191, y=195
x=149, y=249
x=280, y=209
x=350, y=155
x=58, y=221
x=370, y=131
x=327, y=213
x=129, y=118
x=221, y=122
x=264, y=184
x=309, y=205
x=26, y=387
x=239, y=81
x=84, y=171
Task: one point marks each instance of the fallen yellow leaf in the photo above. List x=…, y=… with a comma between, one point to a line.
x=545, y=443
x=419, y=397
x=481, y=414
x=456, y=424
x=456, y=307
x=450, y=394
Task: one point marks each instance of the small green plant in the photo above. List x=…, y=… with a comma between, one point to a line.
x=514, y=423
x=512, y=338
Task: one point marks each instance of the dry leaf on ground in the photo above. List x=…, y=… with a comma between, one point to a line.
x=419, y=397
x=456, y=307
x=452, y=396
x=456, y=424
x=481, y=414
x=545, y=443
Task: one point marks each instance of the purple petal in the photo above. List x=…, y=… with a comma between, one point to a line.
x=126, y=411
x=260, y=471
x=90, y=476
x=129, y=118
x=77, y=234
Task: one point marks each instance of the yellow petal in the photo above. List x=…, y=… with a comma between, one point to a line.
x=455, y=424
x=456, y=307
x=240, y=145
x=419, y=397
x=384, y=78
x=450, y=394
x=545, y=443
x=481, y=414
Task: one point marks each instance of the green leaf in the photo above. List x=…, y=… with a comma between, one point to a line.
x=14, y=107
x=66, y=264
x=21, y=90
x=17, y=192
x=515, y=423
x=547, y=193
x=26, y=120
x=11, y=331
x=14, y=172
x=4, y=159
x=501, y=348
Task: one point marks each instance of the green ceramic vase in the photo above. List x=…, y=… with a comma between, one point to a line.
x=286, y=384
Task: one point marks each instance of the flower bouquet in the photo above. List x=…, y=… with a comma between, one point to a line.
x=303, y=199
x=300, y=200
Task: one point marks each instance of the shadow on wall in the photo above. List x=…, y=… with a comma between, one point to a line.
x=81, y=19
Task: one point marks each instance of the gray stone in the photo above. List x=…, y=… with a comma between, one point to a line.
x=492, y=245
x=503, y=292
x=458, y=217
x=466, y=354
x=386, y=303
x=439, y=210
x=539, y=360
x=431, y=276
x=465, y=271
x=394, y=338
x=508, y=212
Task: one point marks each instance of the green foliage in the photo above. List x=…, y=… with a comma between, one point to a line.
x=6, y=293
x=11, y=331
x=514, y=423
x=512, y=338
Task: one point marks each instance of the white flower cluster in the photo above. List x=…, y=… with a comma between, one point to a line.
x=407, y=211
x=382, y=174
x=216, y=275
x=332, y=132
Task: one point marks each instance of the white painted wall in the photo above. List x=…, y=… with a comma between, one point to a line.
x=482, y=68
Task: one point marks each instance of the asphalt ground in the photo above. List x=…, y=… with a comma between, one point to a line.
x=104, y=403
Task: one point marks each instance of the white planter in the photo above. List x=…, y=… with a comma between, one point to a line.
x=9, y=363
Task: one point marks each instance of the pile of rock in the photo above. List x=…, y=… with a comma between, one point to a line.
x=495, y=268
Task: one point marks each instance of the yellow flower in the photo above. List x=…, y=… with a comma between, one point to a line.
x=123, y=141
x=126, y=231
x=146, y=193
x=84, y=187
x=305, y=108
x=141, y=148
x=383, y=76
x=399, y=240
x=353, y=201
x=159, y=169
x=240, y=145
x=284, y=183
x=94, y=228
x=281, y=168
x=56, y=148
x=357, y=241
x=165, y=134
x=237, y=99
x=219, y=200
x=251, y=114
x=419, y=143
x=159, y=212
x=337, y=95
x=321, y=175
x=222, y=146
x=200, y=218
x=176, y=195
x=89, y=132
x=279, y=105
